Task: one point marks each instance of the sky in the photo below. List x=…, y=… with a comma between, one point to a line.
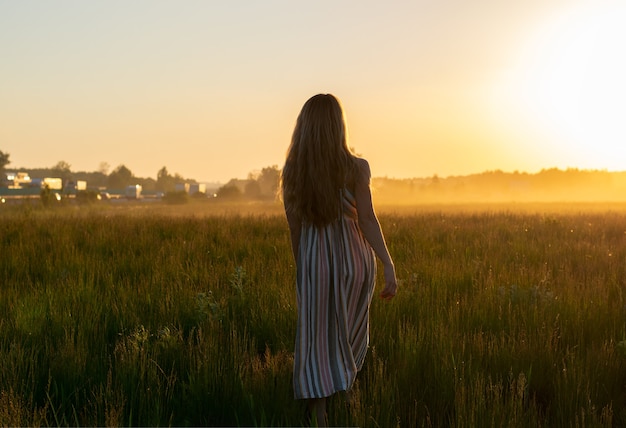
x=211, y=89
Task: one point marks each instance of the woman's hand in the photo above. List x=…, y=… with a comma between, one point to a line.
x=391, y=283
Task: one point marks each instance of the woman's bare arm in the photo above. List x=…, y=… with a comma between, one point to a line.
x=370, y=227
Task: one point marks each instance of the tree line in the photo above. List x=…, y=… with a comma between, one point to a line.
x=261, y=184
x=551, y=184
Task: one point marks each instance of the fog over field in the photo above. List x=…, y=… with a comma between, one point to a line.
x=550, y=185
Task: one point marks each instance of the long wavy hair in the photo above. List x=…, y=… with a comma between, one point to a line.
x=318, y=163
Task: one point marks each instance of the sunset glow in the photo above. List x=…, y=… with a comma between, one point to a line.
x=211, y=90
x=568, y=85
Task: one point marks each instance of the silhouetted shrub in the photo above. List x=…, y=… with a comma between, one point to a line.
x=229, y=192
x=48, y=196
x=87, y=196
x=180, y=197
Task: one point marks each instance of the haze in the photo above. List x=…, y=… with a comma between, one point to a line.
x=211, y=90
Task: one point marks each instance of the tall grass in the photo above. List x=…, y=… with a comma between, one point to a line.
x=141, y=317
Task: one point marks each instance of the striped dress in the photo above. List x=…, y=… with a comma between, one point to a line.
x=336, y=270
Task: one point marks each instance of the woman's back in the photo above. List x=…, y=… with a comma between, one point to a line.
x=336, y=270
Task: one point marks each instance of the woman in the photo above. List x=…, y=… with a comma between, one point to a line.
x=333, y=230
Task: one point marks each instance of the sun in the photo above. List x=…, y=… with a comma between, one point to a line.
x=570, y=84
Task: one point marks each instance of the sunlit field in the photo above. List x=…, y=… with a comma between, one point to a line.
x=156, y=315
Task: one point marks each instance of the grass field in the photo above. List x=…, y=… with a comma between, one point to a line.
x=159, y=315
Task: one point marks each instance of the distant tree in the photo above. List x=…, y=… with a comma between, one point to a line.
x=62, y=167
x=164, y=182
x=63, y=171
x=104, y=168
x=4, y=161
x=228, y=192
x=252, y=189
x=268, y=180
x=120, y=178
x=147, y=184
x=162, y=174
x=180, y=179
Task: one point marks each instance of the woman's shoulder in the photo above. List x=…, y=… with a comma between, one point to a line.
x=363, y=167
x=359, y=176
